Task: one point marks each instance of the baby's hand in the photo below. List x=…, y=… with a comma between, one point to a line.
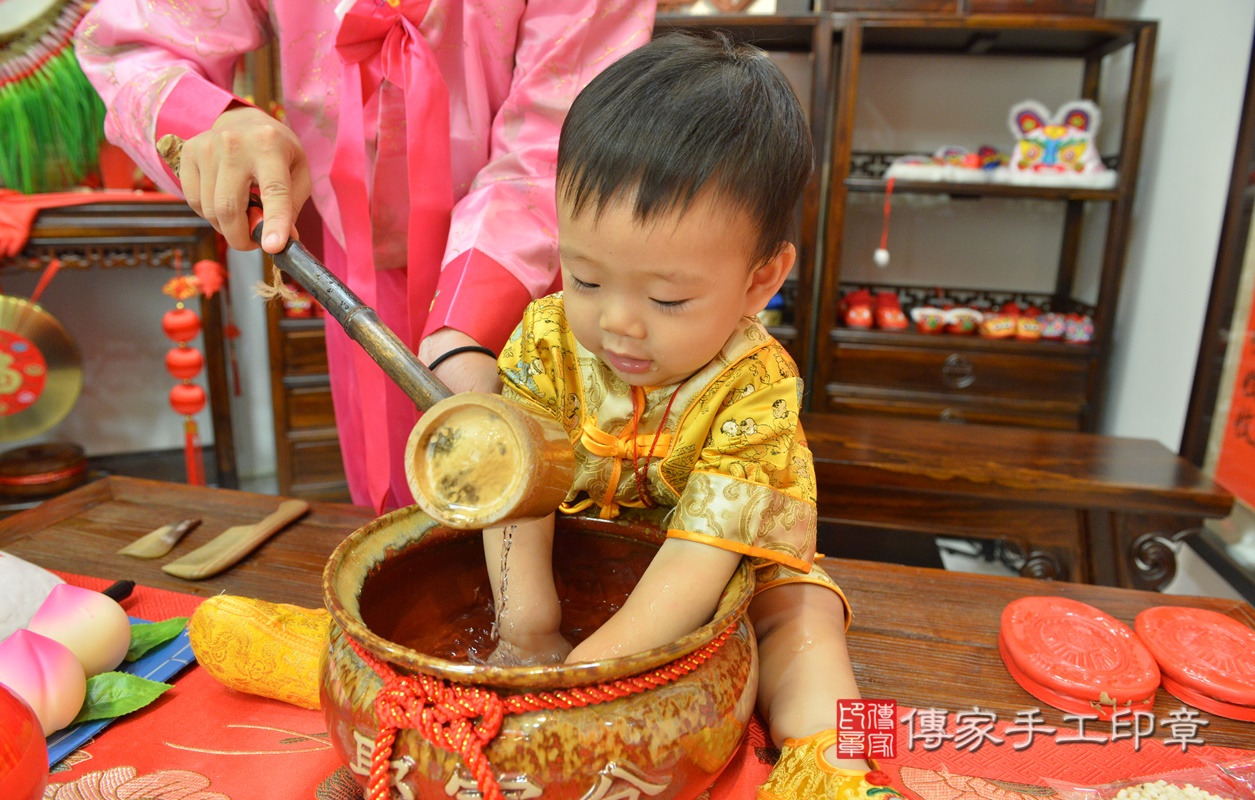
x=536, y=652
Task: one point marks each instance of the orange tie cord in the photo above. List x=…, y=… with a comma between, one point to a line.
x=444, y=712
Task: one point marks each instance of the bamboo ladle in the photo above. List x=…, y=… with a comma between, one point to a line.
x=474, y=459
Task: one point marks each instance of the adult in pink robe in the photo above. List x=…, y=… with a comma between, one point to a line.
x=438, y=276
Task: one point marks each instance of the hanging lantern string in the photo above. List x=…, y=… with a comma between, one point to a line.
x=881, y=256
x=184, y=362
x=50, y=271
x=230, y=331
x=884, y=231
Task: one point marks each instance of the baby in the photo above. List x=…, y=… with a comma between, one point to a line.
x=679, y=168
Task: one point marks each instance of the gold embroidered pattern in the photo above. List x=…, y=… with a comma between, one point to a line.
x=731, y=457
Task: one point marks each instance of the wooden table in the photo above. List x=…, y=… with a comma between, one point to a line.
x=941, y=653
x=1084, y=507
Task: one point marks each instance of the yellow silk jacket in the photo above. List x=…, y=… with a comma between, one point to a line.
x=721, y=458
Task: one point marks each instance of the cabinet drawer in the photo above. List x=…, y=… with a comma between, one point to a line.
x=310, y=407
x=1054, y=416
x=315, y=462
x=304, y=352
x=1085, y=8
x=962, y=372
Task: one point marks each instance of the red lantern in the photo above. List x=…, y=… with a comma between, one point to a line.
x=184, y=362
x=180, y=324
x=187, y=398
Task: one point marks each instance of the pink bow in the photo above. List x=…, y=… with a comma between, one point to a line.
x=378, y=41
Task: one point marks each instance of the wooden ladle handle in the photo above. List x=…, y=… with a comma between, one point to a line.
x=359, y=320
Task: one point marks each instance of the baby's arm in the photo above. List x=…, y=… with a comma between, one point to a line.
x=677, y=595
x=530, y=618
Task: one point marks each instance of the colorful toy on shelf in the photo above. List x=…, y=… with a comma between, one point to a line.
x=949, y=164
x=888, y=312
x=946, y=318
x=914, y=167
x=1079, y=329
x=1027, y=327
x=1028, y=323
x=963, y=320
x=855, y=309
x=862, y=310
x=999, y=324
x=1058, y=150
x=1053, y=325
x=929, y=319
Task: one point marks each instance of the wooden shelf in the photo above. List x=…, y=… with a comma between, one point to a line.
x=976, y=190
x=997, y=34
x=913, y=374
x=949, y=341
x=786, y=33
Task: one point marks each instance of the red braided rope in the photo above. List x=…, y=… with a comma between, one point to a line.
x=444, y=712
x=642, y=474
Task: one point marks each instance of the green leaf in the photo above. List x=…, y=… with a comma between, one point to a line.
x=112, y=694
x=147, y=635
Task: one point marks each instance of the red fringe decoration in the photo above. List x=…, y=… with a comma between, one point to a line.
x=193, y=453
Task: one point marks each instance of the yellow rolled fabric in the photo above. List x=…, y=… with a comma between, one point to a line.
x=267, y=649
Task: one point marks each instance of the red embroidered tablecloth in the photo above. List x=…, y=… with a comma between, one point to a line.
x=202, y=741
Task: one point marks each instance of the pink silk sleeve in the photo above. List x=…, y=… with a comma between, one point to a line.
x=163, y=66
x=507, y=224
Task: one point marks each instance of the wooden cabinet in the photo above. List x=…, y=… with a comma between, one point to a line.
x=307, y=445
x=1005, y=383
x=953, y=378
x=1040, y=384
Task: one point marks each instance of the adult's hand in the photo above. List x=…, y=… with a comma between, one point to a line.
x=246, y=147
x=464, y=372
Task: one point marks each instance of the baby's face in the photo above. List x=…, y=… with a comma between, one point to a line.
x=657, y=302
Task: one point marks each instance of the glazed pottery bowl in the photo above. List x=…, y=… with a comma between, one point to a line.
x=414, y=596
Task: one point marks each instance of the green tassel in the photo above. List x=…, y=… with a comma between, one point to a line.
x=51, y=126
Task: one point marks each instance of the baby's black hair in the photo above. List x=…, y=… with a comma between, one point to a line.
x=684, y=110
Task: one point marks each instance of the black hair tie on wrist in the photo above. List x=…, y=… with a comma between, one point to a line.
x=470, y=348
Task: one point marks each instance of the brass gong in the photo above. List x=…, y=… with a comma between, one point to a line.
x=41, y=371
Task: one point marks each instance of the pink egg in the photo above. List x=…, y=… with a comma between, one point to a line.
x=93, y=626
x=46, y=675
